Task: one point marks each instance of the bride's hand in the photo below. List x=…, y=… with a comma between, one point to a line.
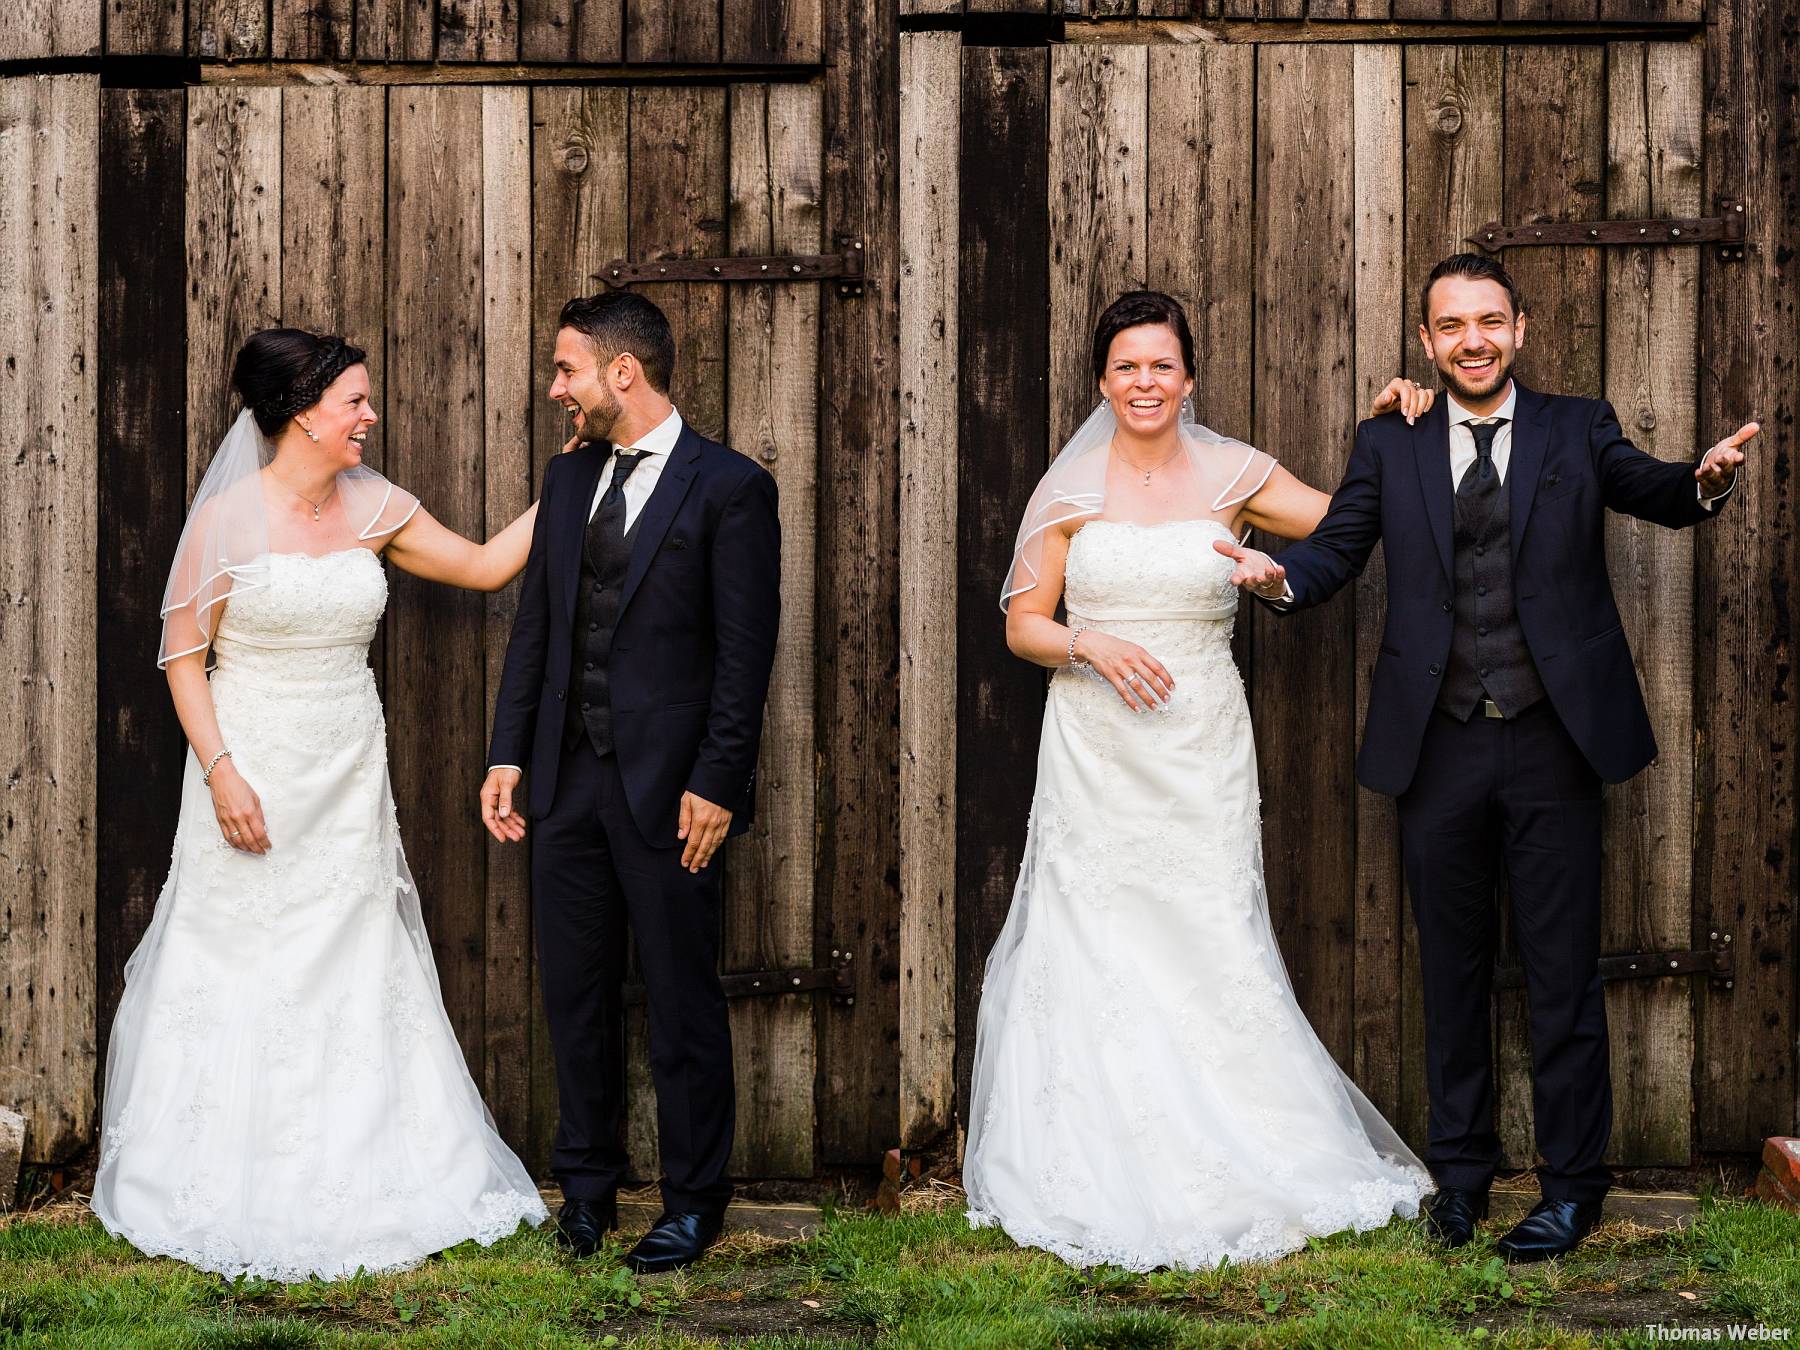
x=1404, y=396
x=1140, y=678
x=239, y=810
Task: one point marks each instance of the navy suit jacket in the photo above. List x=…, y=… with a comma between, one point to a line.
x=694, y=643
x=1569, y=464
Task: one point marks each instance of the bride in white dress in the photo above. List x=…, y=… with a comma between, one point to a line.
x=285, y=1097
x=1147, y=1091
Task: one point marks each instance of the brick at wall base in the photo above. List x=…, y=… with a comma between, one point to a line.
x=12, y=1149
x=1779, y=1181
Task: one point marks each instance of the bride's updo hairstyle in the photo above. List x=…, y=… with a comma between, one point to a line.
x=1134, y=309
x=282, y=371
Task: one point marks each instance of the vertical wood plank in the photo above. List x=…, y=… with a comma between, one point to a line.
x=580, y=186
x=435, y=445
x=1378, y=315
x=1453, y=184
x=777, y=146
x=572, y=30
x=393, y=30
x=858, y=705
x=1098, y=242
x=311, y=30
x=477, y=30
x=1747, y=858
x=506, y=428
x=49, y=280
x=1003, y=261
x=930, y=138
x=142, y=375
x=35, y=29
x=233, y=234
x=678, y=176
x=333, y=251
x=672, y=32
x=1555, y=170
x=767, y=32
x=1652, y=317
x=146, y=27
x=1305, y=415
x=228, y=30
x=678, y=189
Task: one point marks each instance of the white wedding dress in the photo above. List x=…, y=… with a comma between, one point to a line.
x=285, y=1097
x=1147, y=1092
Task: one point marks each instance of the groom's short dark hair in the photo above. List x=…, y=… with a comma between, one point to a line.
x=624, y=321
x=1476, y=266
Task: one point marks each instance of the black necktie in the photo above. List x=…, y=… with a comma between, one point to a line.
x=609, y=520
x=1481, y=480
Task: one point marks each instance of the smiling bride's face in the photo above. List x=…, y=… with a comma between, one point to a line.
x=341, y=419
x=1146, y=379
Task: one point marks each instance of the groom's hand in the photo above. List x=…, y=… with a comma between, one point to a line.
x=704, y=826
x=1255, y=570
x=504, y=823
x=1718, y=468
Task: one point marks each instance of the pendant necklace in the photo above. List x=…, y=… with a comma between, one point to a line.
x=327, y=497
x=1153, y=468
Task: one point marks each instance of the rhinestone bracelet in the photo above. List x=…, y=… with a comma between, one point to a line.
x=206, y=778
x=1073, y=663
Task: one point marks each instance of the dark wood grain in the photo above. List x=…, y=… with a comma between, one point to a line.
x=1004, y=409
x=477, y=30
x=228, y=30
x=672, y=31
x=759, y=32
x=395, y=30
x=572, y=30
x=146, y=27
x=312, y=30
x=858, y=703
x=142, y=375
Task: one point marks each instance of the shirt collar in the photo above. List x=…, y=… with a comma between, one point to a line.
x=1459, y=414
x=660, y=439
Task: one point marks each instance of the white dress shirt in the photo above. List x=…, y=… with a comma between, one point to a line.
x=657, y=443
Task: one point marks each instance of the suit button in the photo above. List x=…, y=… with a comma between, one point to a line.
x=590, y=664
x=1435, y=667
x=585, y=705
x=593, y=628
x=1479, y=632
x=1479, y=550
x=1446, y=606
x=559, y=696
x=1481, y=590
x=1484, y=672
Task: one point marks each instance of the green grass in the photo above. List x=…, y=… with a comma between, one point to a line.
x=921, y=1281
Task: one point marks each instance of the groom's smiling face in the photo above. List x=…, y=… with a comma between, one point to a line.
x=1472, y=336
x=581, y=385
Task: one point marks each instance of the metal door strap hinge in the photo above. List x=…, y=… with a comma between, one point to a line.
x=1715, y=962
x=845, y=267
x=833, y=979
x=1727, y=229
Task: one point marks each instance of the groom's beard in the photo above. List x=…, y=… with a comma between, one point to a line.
x=597, y=423
x=1466, y=392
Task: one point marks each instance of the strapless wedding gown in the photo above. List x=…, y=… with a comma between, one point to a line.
x=285, y=1097
x=1147, y=1092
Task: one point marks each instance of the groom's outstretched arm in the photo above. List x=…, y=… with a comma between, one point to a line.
x=1334, y=554
x=522, y=675
x=746, y=603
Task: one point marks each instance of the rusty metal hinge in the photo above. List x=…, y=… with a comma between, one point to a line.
x=1726, y=229
x=833, y=979
x=1714, y=962
x=845, y=267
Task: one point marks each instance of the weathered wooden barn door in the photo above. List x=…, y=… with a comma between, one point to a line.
x=1293, y=196
x=500, y=203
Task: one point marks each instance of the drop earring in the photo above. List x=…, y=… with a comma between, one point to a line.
x=309, y=433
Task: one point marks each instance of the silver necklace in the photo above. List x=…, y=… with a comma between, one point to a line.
x=327, y=497
x=1154, y=467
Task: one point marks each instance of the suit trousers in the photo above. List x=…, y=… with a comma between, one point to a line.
x=593, y=880
x=1513, y=798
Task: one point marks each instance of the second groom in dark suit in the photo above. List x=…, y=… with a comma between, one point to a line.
x=1503, y=697
x=633, y=693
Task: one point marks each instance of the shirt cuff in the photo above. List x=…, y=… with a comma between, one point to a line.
x=1712, y=503
x=514, y=767
x=1283, y=600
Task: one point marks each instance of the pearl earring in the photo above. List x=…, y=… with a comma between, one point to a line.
x=309, y=433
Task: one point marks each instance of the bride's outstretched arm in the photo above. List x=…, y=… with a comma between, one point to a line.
x=1285, y=507
x=235, y=803
x=428, y=548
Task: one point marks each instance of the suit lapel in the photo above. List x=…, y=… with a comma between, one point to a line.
x=659, y=511
x=590, y=460
x=1526, y=459
x=1431, y=451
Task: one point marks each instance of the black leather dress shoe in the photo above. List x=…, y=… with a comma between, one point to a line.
x=1551, y=1229
x=677, y=1240
x=1451, y=1215
x=582, y=1225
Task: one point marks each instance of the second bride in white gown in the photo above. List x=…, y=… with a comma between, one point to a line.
x=285, y=1097
x=1147, y=1091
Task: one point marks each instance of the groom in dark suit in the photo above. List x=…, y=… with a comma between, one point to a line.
x=633, y=690
x=1503, y=696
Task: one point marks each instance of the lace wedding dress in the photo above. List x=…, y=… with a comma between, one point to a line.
x=1147, y=1092
x=285, y=1097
